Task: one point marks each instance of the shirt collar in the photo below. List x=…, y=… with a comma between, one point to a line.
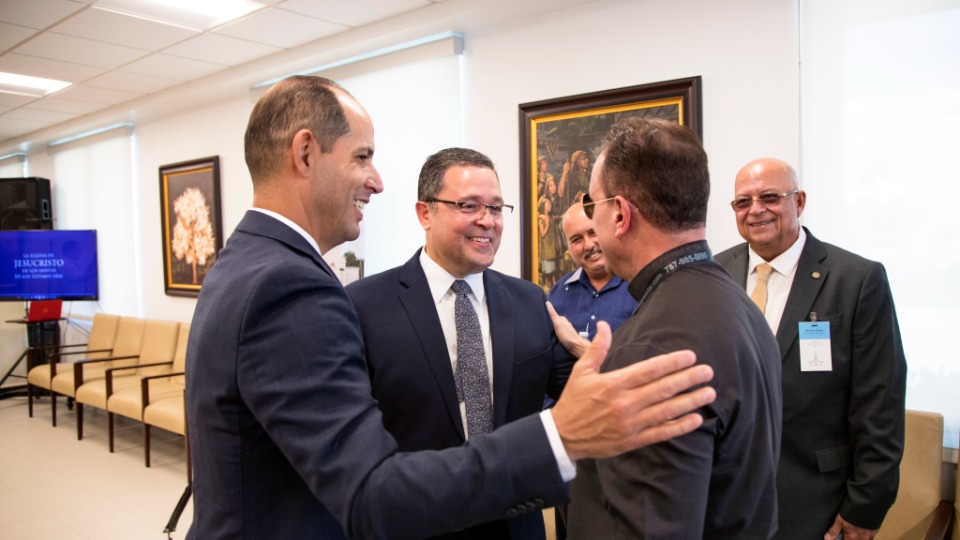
x=440, y=280
x=579, y=276
x=299, y=230
x=786, y=262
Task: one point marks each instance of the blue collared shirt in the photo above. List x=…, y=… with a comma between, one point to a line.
x=575, y=298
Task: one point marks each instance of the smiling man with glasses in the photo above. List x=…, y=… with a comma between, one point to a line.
x=842, y=418
x=412, y=322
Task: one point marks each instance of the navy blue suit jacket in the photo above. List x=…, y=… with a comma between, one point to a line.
x=411, y=372
x=842, y=429
x=286, y=439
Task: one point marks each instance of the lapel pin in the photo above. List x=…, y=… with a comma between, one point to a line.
x=815, y=275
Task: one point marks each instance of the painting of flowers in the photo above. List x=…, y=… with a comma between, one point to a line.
x=190, y=207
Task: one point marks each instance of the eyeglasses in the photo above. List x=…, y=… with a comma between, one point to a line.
x=589, y=204
x=471, y=207
x=767, y=200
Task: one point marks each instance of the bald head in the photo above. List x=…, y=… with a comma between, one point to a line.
x=769, y=228
x=770, y=168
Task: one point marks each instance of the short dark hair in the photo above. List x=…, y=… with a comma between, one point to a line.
x=431, y=174
x=295, y=103
x=661, y=168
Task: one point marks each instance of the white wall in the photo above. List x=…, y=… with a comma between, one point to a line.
x=214, y=130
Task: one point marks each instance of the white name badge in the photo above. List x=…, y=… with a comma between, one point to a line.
x=815, y=346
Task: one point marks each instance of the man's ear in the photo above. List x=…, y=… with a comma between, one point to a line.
x=801, y=201
x=303, y=150
x=424, y=214
x=622, y=216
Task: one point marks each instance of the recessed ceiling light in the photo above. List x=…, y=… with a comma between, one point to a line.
x=25, y=85
x=191, y=14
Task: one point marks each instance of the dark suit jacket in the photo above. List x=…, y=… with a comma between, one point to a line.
x=286, y=439
x=843, y=429
x=411, y=372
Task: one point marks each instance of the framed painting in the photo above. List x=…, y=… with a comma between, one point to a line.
x=560, y=140
x=190, y=212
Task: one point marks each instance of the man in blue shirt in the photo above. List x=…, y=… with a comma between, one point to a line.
x=590, y=293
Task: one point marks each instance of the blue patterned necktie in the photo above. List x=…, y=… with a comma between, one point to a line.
x=473, y=382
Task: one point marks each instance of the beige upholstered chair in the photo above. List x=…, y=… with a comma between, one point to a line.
x=918, y=497
x=131, y=400
x=155, y=356
x=169, y=414
x=99, y=344
x=126, y=345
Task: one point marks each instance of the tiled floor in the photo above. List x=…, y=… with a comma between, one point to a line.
x=53, y=486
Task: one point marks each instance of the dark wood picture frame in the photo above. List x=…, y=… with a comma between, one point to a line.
x=191, y=223
x=556, y=130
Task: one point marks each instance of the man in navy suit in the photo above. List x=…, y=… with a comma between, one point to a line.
x=842, y=419
x=409, y=330
x=286, y=439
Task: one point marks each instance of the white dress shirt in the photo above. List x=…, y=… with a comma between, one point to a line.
x=781, y=279
x=440, y=281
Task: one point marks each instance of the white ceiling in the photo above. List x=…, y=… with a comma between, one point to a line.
x=113, y=59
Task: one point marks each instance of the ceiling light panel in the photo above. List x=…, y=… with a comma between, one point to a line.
x=193, y=14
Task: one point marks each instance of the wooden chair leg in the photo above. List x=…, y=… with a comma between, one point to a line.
x=146, y=444
x=110, y=431
x=53, y=407
x=29, y=400
x=79, y=421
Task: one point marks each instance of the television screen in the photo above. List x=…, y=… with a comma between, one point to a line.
x=42, y=264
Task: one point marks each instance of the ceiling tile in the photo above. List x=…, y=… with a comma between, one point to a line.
x=122, y=30
x=37, y=115
x=10, y=128
x=105, y=96
x=15, y=100
x=279, y=28
x=59, y=104
x=50, y=69
x=221, y=49
x=354, y=13
x=172, y=67
x=78, y=50
x=131, y=82
x=11, y=34
x=37, y=13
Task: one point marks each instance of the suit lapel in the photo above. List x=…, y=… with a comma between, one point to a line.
x=803, y=292
x=738, y=267
x=418, y=303
x=503, y=338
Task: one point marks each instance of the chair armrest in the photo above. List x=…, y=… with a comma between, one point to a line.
x=110, y=372
x=82, y=352
x=940, y=526
x=78, y=366
x=145, y=385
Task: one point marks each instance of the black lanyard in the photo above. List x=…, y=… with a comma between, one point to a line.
x=685, y=255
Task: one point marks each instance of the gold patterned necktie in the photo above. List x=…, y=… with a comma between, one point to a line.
x=759, y=294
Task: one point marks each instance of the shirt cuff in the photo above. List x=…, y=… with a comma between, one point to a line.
x=568, y=471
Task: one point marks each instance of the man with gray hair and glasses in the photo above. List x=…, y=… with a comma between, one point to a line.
x=844, y=370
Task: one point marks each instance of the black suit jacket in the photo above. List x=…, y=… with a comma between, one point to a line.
x=843, y=429
x=411, y=373
x=286, y=439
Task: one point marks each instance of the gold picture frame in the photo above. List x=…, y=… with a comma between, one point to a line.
x=560, y=140
x=190, y=214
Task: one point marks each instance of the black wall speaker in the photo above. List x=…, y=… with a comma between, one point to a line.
x=25, y=204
